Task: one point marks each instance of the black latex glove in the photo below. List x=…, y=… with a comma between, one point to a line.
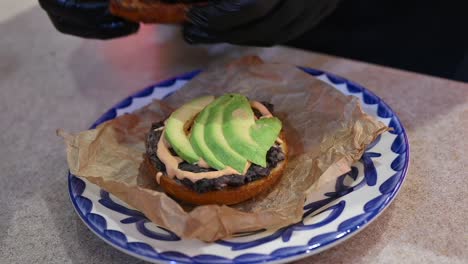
x=255, y=22
x=87, y=19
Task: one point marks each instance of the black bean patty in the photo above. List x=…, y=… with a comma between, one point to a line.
x=274, y=156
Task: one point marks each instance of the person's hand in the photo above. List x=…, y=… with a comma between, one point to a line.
x=255, y=22
x=87, y=19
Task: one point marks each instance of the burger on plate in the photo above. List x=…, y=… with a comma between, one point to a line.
x=222, y=150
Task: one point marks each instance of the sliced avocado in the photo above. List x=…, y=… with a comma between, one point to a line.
x=216, y=141
x=265, y=132
x=238, y=119
x=197, y=138
x=175, y=130
x=252, y=139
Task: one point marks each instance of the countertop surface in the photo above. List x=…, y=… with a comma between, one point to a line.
x=49, y=81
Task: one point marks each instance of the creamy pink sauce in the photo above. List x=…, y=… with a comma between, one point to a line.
x=172, y=165
x=172, y=162
x=202, y=163
x=279, y=141
x=158, y=177
x=260, y=107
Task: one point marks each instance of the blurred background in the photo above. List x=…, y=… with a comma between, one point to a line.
x=422, y=36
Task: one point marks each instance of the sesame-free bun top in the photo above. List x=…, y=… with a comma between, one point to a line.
x=150, y=11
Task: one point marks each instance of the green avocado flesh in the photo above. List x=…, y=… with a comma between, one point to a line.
x=175, y=131
x=265, y=132
x=238, y=119
x=224, y=132
x=216, y=140
x=197, y=139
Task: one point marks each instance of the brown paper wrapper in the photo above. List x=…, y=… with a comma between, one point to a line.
x=326, y=132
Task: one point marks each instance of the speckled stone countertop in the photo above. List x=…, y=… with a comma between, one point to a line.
x=48, y=80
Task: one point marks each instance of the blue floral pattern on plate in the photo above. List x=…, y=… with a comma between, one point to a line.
x=359, y=197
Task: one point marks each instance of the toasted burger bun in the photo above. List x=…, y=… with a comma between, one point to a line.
x=229, y=195
x=149, y=11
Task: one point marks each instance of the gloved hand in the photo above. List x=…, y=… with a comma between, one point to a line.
x=86, y=18
x=255, y=22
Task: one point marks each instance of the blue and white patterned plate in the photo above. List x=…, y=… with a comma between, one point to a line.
x=359, y=197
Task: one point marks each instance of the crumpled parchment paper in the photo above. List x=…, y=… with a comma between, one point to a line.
x=326, y=132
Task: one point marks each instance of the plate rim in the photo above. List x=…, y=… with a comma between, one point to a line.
x=335, y=79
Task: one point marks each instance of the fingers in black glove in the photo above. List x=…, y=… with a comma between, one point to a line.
x=88, y=19
x=225, y=15
x=284, y=20
x=107, y=30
